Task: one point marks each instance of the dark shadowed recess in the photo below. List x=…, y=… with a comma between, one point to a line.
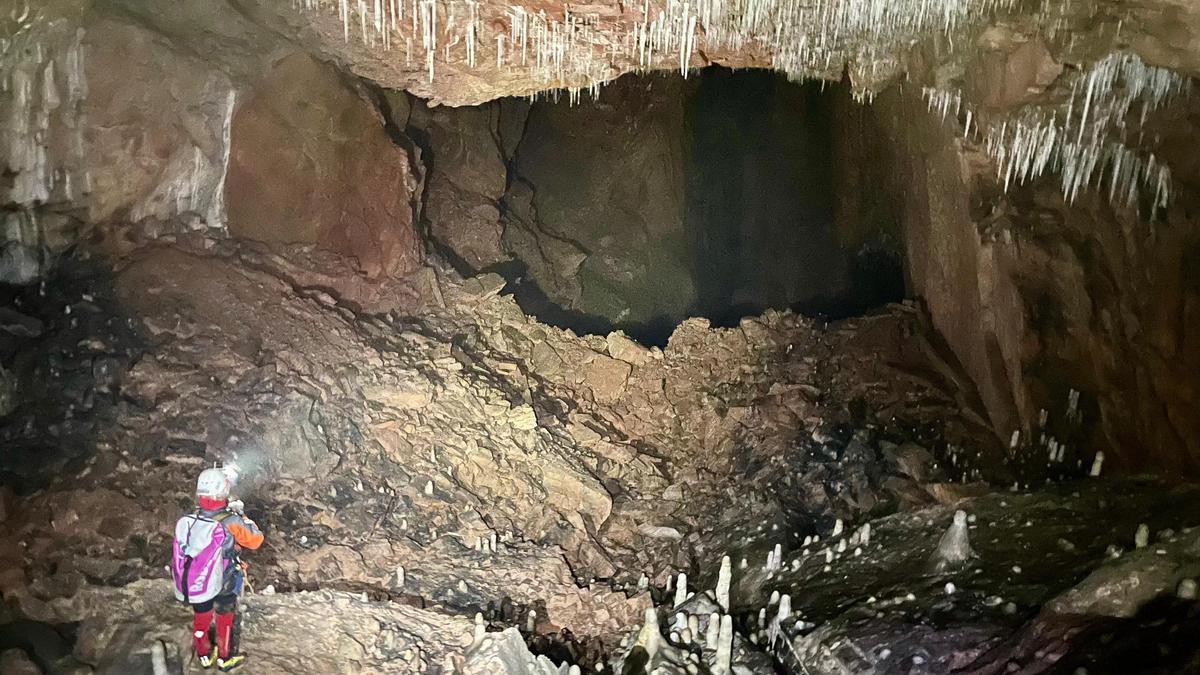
x=68, y=352
x=762, y=203
x=731, y=203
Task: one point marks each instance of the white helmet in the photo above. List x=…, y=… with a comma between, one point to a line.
x=213, y=483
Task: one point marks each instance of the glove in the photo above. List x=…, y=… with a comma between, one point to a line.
x=236, y=506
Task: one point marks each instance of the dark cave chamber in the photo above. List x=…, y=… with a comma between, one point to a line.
x=762, y=203
x=718, y=196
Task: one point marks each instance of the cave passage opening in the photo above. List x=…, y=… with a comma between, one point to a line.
x=721, y=196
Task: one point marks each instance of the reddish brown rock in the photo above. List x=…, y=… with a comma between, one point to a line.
x=311, y=162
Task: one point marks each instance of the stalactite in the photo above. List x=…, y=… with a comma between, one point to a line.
x=1082, y=139
x=803, y=39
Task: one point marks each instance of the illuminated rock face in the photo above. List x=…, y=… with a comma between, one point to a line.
x=311, y=163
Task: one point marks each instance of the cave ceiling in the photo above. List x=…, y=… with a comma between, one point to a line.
x=465, y=52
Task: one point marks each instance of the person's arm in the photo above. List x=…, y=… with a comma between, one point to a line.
x=245, y=532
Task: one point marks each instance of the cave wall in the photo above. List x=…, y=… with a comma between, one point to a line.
x=760, y=199
x=105, y=122
x=468, y=167
x=312, y=163
x=608, y=179
x=667, y=198
x=116, y=133
x=1037, y=297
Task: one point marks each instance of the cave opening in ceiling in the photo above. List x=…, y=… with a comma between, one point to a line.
x=719, y=196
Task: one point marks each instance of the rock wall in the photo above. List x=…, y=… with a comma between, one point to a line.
x=123, y=128
x=312, y=163
x=669, y=198
x=467, y=176
x=107, y=123
x=608, y=180
x=1037, y=297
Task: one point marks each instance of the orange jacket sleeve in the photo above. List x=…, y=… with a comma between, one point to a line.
x=245, y=533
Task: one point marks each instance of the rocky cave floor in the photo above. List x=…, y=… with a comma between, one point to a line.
x=420, y=452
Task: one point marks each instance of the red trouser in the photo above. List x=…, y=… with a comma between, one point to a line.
x=226, y=607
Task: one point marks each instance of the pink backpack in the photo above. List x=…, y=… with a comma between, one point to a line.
x=198, y=561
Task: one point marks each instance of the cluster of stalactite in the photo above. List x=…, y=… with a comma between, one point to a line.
x=576, y=50
x=1087, y=139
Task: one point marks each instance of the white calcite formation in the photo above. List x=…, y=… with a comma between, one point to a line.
x=723, y=579
x=1141, y=538
x=582, y=48
x=954, y=548
x=681, y=589
x=1082, y=139
x=724, y=657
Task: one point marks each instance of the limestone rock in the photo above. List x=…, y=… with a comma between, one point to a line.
x=914, y=462
x=383, y=637
x=407, y=394
x=1122, y=587
x=607, y=377
x=312, y=163
x=466, y=181
x=484, y=286
x=8, y=392
x=622, y=348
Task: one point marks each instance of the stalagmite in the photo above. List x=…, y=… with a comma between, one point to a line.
x=480, y=629
x=774, y=559
x=1097, y=464
x=724, y=658
x=531, y=621
x=723, y=580
x=785, y=608
x=712, y=631
x=681, y=590
x=1141, y=538
x=649, y=637
x=954, y=548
